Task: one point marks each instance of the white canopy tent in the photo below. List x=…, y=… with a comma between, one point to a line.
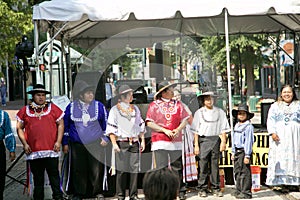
x=89, y=22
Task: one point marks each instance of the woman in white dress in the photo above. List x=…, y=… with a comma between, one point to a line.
x=283, y=126
x=126, y=129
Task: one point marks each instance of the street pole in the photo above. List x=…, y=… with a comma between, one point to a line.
x=241, y=74
x=25, y=67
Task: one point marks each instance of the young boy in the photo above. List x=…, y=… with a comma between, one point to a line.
x=242, y=142
x=209, y=125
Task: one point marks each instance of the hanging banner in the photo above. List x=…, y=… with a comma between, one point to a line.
x=259, y=153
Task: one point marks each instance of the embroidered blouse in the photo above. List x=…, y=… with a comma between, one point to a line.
x=125, y=121
x=85, y=124
x=40, y=131
x=169, y=115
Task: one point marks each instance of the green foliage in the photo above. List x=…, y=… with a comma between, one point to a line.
x=193, y=76
x=16, y=21
x=248, y=45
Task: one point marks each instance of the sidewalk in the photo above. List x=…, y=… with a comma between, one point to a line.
x=12, y=107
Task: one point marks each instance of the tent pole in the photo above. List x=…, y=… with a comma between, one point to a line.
x=228, y=69
x=53, y=37
x=36, y=46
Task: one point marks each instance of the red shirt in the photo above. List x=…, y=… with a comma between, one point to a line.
x=168, y=115
x=40, y=132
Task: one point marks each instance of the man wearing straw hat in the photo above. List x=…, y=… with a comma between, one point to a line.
x=167, y=117
x=210, y=125
x=40, y=127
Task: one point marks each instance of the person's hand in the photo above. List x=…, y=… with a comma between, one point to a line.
x=169, y=133
x=12, y=156
x=246, y=160
x=66, y=149
x=275, y=137
x=116, y=148
x=103, y=143
x=143, y=145
x=232, y=157
x=175, y=133
x=27, y=149
x=222, y=146
x=56, y=147
x=196, y=150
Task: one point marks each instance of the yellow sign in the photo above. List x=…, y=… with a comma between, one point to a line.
x=259, y=154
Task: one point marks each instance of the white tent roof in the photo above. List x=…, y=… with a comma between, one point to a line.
x=89, y=22
x=92, y=21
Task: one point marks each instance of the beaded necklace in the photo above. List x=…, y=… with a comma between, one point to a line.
x=127, y=113
x=37, y=108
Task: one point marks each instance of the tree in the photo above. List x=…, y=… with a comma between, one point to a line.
x=244, y=49
x=16, y=21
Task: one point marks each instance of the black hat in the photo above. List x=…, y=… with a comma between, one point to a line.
x=80, y=87
x=162, y=86
x=242, y=107
x=38, y=88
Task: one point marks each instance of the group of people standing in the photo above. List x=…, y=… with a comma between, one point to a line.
x=86, y=128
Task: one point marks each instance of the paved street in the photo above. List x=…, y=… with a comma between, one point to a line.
x=15, y=190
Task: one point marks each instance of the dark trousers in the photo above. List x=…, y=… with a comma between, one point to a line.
x=209, y=162
x=162, y=158
x=242, y=174
x=2, y=168
x=38, y=167
x=127, y=163
x=87, y=169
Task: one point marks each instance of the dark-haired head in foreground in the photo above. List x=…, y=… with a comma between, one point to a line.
x=162, y=184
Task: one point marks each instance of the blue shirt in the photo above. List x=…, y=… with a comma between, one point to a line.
x=243, y=137
x=6, y=132
x=81, y=130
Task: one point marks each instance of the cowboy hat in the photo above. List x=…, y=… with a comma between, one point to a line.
x=38, y=88
x=162, y=86
x=80, y=87
x=242, y=107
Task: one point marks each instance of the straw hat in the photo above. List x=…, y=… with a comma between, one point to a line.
x=162, y=86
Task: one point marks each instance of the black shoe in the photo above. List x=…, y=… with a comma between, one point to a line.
x=76, y=197
x=182, y=196
x=100, y=197
x=235, y=193
x=217, y=193
x=202, y=193
x=243, y=196
x=135, y=198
